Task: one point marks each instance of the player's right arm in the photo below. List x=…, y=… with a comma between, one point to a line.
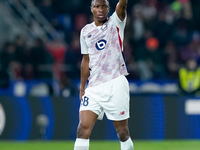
x=85, y=72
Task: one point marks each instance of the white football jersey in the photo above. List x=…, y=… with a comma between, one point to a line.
x=104, y=44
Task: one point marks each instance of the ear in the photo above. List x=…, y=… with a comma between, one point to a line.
x=91, y=9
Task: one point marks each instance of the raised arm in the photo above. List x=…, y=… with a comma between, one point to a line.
x=121, y=9
x=84, y=74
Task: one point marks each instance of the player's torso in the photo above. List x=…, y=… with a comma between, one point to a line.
x=104, y=51
x=101, y=39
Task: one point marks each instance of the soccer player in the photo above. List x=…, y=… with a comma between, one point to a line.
x=104, y=67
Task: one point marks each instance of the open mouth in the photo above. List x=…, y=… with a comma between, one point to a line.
x=100, y=16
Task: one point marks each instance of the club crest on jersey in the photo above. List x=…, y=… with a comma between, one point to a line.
x=104, y=27
x=101, y=44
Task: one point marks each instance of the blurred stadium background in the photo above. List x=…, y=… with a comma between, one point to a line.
x=40, y=67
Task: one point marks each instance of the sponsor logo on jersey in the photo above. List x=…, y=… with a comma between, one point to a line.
x=101, y=44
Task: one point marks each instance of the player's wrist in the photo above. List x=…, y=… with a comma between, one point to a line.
x=82, y=88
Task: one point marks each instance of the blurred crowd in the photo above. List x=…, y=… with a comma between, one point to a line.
x=160, y=36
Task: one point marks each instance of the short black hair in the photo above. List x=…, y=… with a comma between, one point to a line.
x=94, y=0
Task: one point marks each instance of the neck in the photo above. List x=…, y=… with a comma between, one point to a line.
x=100, y=23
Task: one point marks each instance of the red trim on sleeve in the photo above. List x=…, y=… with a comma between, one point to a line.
x=120, y=40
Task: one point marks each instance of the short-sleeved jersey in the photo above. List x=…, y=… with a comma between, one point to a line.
x=104, y=44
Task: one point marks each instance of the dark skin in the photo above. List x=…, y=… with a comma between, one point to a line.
x=100, y=10
x=87, y=119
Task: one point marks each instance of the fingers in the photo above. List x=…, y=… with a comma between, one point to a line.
x=81, y=94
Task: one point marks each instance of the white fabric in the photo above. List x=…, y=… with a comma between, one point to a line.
x=105, y=50
x=81, y=144
x=111, y=97
x=127, y=145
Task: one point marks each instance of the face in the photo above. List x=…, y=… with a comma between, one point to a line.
x=100, y=9
x=191, y=64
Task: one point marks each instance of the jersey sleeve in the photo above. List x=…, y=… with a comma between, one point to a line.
x=117, y=21
x=84, y=49
x=120, y=25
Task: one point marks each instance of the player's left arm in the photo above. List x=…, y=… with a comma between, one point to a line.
x=121, y=9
